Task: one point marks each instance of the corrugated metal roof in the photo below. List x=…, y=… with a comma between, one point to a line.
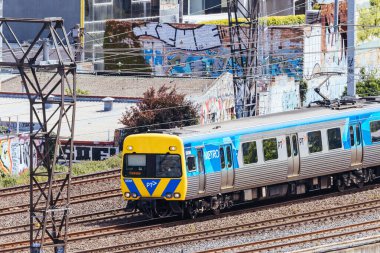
x=92, y=122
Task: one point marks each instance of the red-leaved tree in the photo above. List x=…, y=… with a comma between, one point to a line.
x=161, y=109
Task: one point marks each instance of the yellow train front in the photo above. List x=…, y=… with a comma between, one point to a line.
x=153, y=178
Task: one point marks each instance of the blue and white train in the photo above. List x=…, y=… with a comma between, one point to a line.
x=208, y=168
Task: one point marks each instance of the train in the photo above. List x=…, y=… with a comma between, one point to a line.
x=207, y=168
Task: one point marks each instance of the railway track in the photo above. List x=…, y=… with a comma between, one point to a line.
x=252, y=228
x=94, y=177
x=84, y=235
x=73, y=200
x=315, y=238
x=211, y=234
x=75, y=220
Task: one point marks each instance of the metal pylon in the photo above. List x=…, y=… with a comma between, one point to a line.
x=49, y=185
x=243, y=23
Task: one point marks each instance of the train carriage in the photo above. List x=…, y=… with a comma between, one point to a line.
x=208, y=168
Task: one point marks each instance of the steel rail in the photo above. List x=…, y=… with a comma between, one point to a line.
x=75, y=200
x=75, y=180
x=232, y=231
x=75, y=220
x=300, y=242
x=124, y=228
x=93, y=233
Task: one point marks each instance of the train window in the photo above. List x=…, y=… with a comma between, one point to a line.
x=191, y=164
x=334, y=137
x=222, y=160
x=229, y=157
x=375, y=131
x=168, y=166
x=249, y=152
x=295, y=145
x=135, y=166
x=270, y=149
x=314, y=141
x=152, y=166
x=352, y=136
x=358, y=135
x=288, y=147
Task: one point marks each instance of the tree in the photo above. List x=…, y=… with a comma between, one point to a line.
x=369, y=84
x=163, y=109
x=303, y=91
x=369, y=20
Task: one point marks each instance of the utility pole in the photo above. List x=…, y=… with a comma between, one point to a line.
x=351, y=42
x=336, y=16
x=81, y=29
x=308, y=5
x=49, y=189
x=243, y=24
x=180, y=3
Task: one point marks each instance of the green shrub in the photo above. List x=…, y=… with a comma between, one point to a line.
x=80, y=92
x=368, y=84
x=271, y=21
x=7, y=181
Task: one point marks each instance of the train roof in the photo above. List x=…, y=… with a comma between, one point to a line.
x=289, y=118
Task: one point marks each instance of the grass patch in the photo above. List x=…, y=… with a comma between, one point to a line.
x=82, y=168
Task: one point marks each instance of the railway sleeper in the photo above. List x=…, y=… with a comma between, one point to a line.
x=192, y=208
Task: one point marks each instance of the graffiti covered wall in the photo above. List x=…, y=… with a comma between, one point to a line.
x=91, y=151
x=218, y=102
x=168, y=49
x=281, y=95
x=192, y=50
x=286, y=52
x=15, y=155
x=326, y=51
x=15, y=158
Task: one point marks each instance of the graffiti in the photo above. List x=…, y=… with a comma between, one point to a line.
x=290, y=67
x=183, y=51
x=194, y=39
x=91, y=153
x=174, y=49
x=22, y=126
x=199, y=50
x=281, y=95
x=15, y=155
x=218, y=103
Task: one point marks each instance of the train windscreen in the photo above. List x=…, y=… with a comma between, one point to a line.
x=152, y=166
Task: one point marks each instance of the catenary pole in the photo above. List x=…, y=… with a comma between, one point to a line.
x=351, y=41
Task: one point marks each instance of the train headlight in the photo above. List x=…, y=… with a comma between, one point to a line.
x=177, y=195
x=172, y=148
x=127, y=194
x=168, y=195
x=130, y=148
x=134, y=195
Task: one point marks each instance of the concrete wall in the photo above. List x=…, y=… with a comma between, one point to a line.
x=69, y=10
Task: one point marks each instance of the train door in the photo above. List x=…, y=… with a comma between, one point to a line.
x=202, y=172
x=227, y=170
x=292, y=149
x=356, y=142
